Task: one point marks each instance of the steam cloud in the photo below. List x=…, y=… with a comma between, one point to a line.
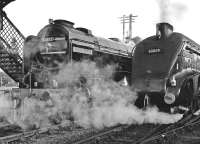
x=99, y=103
x=169, y=10
x=111, y=102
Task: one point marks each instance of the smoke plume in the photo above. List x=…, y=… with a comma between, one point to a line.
x=169, y=10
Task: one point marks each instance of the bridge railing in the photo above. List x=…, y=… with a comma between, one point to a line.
x=12, y=35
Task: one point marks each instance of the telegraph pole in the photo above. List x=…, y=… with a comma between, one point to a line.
x=127, y=19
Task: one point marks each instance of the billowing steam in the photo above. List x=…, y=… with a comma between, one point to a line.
x=164, y=10
x=111, y=102
x=5, y=106
x=31, y=46
x=87, y=95
x=170, y=10
x=99, y=102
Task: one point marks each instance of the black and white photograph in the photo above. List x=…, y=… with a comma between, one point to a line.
x=99, y=72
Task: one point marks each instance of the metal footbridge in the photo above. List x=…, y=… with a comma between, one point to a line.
x=11, y=46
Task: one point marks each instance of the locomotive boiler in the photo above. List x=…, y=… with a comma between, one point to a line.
x=60, y=43
x=165, y=71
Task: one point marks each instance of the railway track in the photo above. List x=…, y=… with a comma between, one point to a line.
x=136, y=134
x=97, y=136
x=12, y=133
x=121, y=134
x=75, y=134
x=163, y=131
x=80, y=135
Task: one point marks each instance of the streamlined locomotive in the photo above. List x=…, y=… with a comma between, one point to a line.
x=60, y=42
x=165, y=71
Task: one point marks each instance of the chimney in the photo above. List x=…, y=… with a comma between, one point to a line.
x=163, y=30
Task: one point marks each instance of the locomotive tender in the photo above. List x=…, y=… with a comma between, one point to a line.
x=165, y=71
x=60, y=42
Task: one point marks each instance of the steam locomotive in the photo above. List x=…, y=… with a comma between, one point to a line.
x=166, y=71
x=60, y=42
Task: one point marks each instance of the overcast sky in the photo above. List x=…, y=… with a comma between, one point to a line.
x=102, y=16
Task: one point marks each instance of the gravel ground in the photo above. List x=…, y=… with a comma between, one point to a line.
x=65, y=135
x=60, y=135
x=189, y=135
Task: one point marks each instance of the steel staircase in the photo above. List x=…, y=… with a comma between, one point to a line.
x=11, y=49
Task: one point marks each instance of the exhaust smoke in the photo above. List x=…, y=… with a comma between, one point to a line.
x=169, y=11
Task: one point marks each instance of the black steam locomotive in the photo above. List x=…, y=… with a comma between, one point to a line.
x=60, y=42
x=166, y=71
